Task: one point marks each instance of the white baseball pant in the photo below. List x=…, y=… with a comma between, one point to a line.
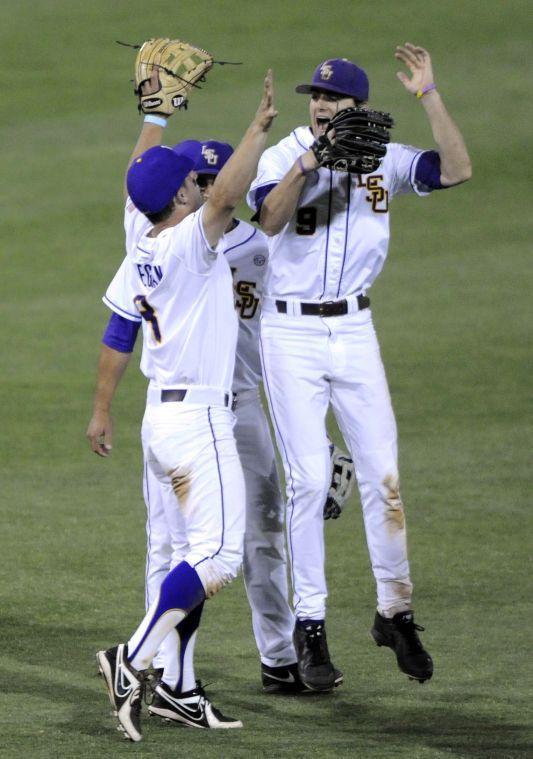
x=264, y=565
x=308, y=363
x=191, y=451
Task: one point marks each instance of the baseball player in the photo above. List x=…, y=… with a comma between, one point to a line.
x=328, y=238
x=185, y=297
x=264, y=564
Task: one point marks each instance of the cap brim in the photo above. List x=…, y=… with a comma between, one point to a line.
x=307, y=89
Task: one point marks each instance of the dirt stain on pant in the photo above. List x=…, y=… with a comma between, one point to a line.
x=181, y=485
x=395, y=514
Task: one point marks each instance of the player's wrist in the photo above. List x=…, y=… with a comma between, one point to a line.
x=426, y=90
x=102, y=407
x=153, y=118
x=303, y=166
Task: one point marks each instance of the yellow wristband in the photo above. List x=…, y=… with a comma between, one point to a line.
x=425, y=90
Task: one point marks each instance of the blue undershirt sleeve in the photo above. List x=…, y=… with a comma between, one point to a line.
x=120, y=333
x=427, y=172
x=260, y=195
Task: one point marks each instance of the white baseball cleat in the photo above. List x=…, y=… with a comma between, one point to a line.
x=125, y=689
x=191, y=708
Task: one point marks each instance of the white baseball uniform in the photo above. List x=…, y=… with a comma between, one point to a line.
x=264, y=566
x=178, y=284
x=332, y=250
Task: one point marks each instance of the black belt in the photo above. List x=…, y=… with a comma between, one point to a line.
x=175, y=396
x=326, y=308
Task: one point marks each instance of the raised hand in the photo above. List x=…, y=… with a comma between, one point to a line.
x=266, y=113
x=418, y=61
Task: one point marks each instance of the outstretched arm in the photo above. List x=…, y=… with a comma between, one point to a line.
x=151, y=133
x=455, y=166
x=111, y=366
x=237, y=175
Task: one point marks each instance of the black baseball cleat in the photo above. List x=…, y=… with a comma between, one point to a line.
x=191, y=708
x=286, y=680
x=401, y=634
x=314, y=665
x=125, y=687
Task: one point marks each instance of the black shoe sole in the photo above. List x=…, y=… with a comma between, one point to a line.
x=299, y=689
x=318, y=687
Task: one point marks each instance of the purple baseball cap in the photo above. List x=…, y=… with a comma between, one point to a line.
x=189, y=149
x=338, y=75
x=155, y=177
x=213, y=157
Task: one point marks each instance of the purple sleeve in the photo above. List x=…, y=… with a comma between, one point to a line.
x=120, y=333
x=260, y=195
x=427, y=172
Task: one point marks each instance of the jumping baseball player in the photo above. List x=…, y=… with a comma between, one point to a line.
x=264, y=564
x=185, y=298
x=325, y=209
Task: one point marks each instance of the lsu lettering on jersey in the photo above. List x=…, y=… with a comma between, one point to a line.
x=336, y=243
x=177, y=284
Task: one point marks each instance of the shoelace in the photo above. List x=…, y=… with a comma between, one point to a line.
x=410, y=632
x=316, y=640
x=147, y=692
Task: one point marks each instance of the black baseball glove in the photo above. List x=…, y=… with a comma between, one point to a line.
x=355, y=141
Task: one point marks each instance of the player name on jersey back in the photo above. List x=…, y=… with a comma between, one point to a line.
x=182, y=290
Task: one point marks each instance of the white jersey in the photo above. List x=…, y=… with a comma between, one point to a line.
x=336, y=243
x=177, y=284
x=245, y=250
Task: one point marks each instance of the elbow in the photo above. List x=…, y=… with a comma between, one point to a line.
x=461, y=173
x=458, y=176
x=466, y=172
x=267, y=223
x=269, y=229
x=223, y=202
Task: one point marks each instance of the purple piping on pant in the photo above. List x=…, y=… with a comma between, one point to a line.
x=221, y=491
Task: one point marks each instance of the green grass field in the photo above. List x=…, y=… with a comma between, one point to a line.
x=452, y=309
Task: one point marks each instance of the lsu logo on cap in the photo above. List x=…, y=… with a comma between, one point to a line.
x=210, y=156
x=326, y=71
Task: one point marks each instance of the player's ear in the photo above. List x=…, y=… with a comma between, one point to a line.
x=180, y=198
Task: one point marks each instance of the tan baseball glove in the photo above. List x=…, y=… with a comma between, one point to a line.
x=180, y=67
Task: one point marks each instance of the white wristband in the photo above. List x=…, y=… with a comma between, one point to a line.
x=151, y=118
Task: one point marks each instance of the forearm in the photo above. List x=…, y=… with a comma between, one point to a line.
x=111, y=366
x=237, y=175
x=150, y=136
x=280, y=204
x=454, y=159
